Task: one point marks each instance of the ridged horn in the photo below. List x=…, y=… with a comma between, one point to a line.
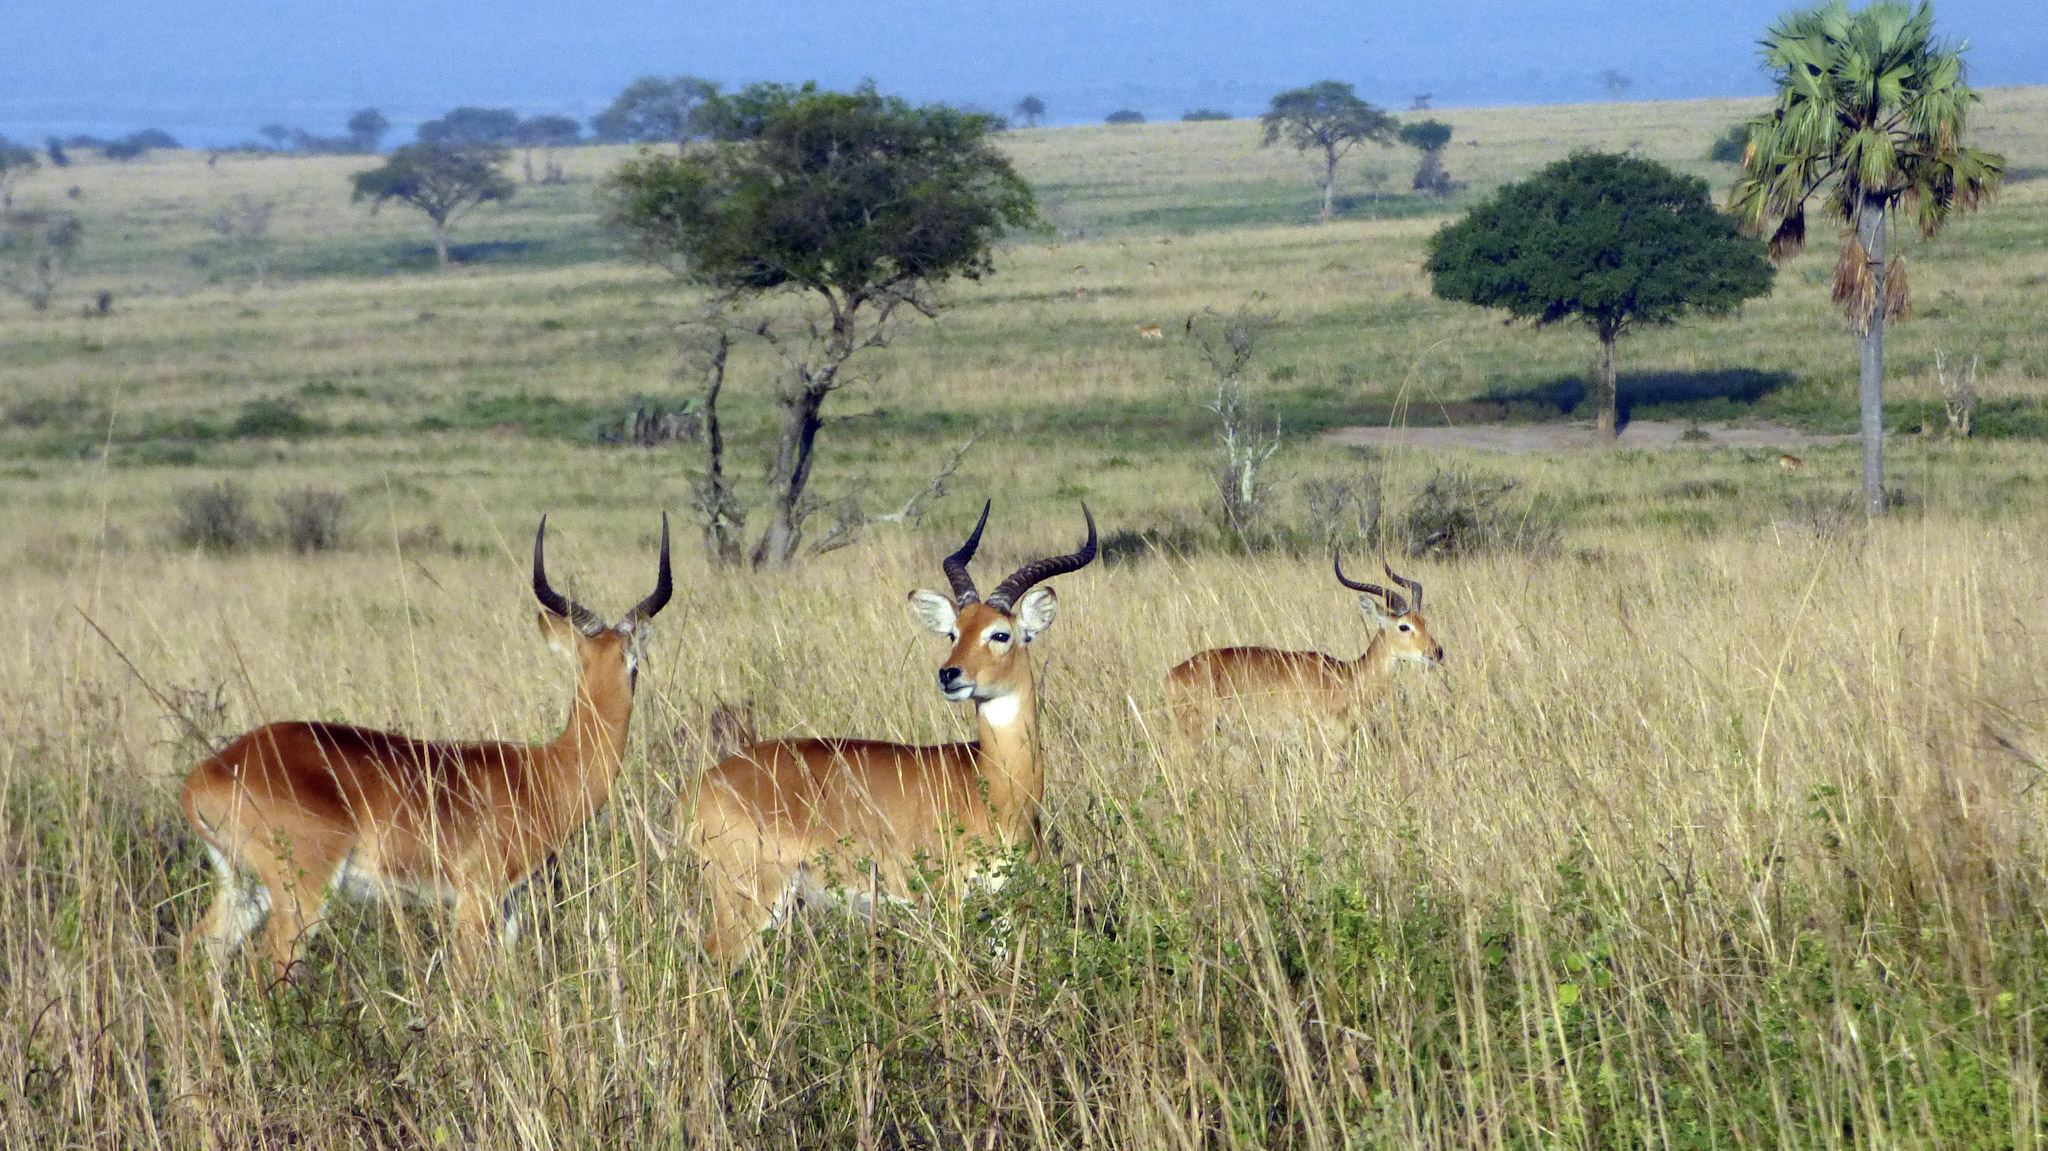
x=956, y=564
x=1395, y=604
x=664, y=584
x=585, y=620
x=1414, y=586
x=1037, y=571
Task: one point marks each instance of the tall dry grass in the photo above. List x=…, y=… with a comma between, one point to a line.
x=1722, y=843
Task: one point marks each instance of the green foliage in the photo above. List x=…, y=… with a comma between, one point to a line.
x=1124, y=116
x=1729, y=146
x=656, y=110
x=1326, y=115
x=1030, y=110
x=366, y=129
x=442, y=180
x=1610, y=240
x=1871, y=108
x=471, y=126
x=1198, y=115
x=136, y=145
x=1426, y=135
x=853, y=195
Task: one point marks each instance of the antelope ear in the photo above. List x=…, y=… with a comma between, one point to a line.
x=1035, y=612
x=560, y=633
x=934, y=611
x=1374, y=612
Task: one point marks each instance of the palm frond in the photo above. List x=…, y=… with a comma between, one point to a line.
x=1855, y=289
x=1898, y=293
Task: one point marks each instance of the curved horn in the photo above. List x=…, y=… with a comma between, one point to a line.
x=1414, y=586
x=1020, y=581
x=664, y=585
x=956, y=564
x=584, y=619
x=1394, y=602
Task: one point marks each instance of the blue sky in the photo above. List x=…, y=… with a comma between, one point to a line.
x=212, y=72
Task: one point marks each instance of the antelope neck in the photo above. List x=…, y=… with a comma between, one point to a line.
x=1007, y=752
x=594, y=740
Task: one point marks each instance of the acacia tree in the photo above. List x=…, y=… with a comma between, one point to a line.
x=444, y=181
x=1613, y=241
x=858, y=204
x=1330, y=116
x=366, y=129
x=546, y=133
x=1031, y=110
x=1430, y=138
x=1870, y=116
x=16, y=163
x=654, y=110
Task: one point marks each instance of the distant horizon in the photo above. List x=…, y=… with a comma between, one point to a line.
x=211, y=78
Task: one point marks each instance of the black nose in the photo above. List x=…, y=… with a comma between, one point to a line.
x=949, y=677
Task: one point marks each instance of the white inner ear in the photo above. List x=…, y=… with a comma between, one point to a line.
x=556, y=632
x=1035, y=612
x=1374, y=613
x=934, y=611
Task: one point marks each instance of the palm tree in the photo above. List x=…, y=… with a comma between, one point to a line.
x=1869, y=117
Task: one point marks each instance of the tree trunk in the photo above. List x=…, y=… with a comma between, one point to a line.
x=1606, y=421
x=1329, y=184
x=722, y=527
x=1870, y=368
x=441, y=245
x=527, y=164
x=800, y=421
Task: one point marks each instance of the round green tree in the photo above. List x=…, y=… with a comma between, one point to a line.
x=1870, y=116
x=1612, y=241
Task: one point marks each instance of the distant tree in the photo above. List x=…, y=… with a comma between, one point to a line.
x=546, y=133
x=1124, y=116
x=1421, y=102
x=244, y=231
x=36, y=247
x=1729, y=146
x=136, y=145
x=279, y=135
x=1617, y=83
x=1031, y=110
x=654, y=110
x=467, y=125
x=84, y=141
x=366, y=130
x=16, y=164
x=1870, y=115
x=59, y=158
x=1330, y=116
x=1196, y=115
x=1612, y=241
x=860, y=203
x=1429, y=137
x=444, y=181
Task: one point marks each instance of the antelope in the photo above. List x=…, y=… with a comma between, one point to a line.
x=309, y=806
x=1307, y=681
x=1150, y=332
x=851, y=821
x=1788, y=462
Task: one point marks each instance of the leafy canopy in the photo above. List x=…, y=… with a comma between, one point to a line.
x=441, y=180
x=852, y=195
x=656, y=109
x=1426, y=135
x=471, y=126
x=1327, y=115
x=1612, y=240
x=1870, y=108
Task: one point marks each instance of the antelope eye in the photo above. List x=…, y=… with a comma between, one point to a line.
x=999, y=637
x=1405, y=627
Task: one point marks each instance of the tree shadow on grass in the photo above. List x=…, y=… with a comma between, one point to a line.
x=1722, y=394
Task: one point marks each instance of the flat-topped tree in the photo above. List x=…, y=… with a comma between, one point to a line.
x=444, y=181
x=1328, y=116
x=1870, y=115
x=1613, y=241
x=860, y=203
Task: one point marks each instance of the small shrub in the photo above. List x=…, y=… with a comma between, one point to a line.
x=314, y=520
x=1124, y=116
x=272, y=419
x=1459, y=513
x=1197, y=115
x=1130, y=545
x=215, y=518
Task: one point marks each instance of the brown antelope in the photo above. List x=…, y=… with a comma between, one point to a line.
x=1790, y=463
x=1150, y=332
x=1321, y=686
x=309, y=805
x=845, y=821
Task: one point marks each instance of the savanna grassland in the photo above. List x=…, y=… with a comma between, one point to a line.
x=1720, y=827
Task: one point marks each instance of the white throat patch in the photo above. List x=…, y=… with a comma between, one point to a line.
x=1001, y=711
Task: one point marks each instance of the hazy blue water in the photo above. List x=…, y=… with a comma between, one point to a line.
x=212, y=72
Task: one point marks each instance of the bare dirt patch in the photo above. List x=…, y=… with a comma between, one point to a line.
x=1565, y=437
